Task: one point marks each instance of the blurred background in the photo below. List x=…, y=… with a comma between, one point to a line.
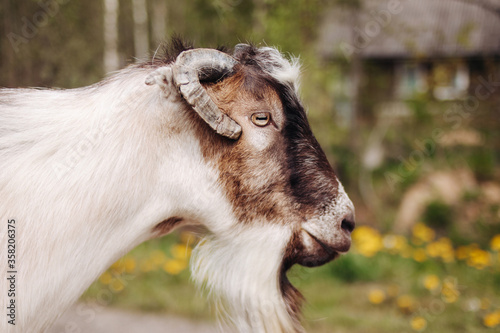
x=403, y=97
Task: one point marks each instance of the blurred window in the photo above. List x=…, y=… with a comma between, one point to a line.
x=451, y=80
x=411, y=79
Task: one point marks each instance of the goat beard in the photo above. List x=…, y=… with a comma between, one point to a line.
x=243, y=272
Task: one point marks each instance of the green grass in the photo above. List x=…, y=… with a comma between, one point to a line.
x=336, y=294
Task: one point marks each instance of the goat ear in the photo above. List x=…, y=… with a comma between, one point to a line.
x=162, y=77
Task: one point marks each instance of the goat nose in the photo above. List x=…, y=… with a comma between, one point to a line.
x=348, y=224
x=342, y=242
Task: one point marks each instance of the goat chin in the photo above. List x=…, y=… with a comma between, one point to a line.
x=242, y=271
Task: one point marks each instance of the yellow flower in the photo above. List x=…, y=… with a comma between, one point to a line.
x=376, y=296
x=419, y=255
x=422, y=233
x=187, y=238
x=479, y=259
x=174, y=266
x=117, y=267
x=462, y=252
x=418, y=323
x=442, y=248
x=105, y=278
x=367, y=241
x=492, y=319
x=495, y=243
x=431, y=282
x=181, y=251
x=129, y=265
x=406, y=303
x=395, y=243
x=449, y=291
x=116, y=285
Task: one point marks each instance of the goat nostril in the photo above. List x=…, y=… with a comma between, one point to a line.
x=348, y=225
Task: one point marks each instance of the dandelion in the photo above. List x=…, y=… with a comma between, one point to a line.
x=129, y=265
x=116, y=285
x=106, y=278
x=464, y=252
x=495, y=243
x=406, y=303
x=395, y=243
x=367, y=241
x=492, y=319
x=422, y=233
x=181, y=251
x=174, y=266
x=376, y=296
x=419, y=255
x=441, y=248
x=449, y=291
x=418, y=323
x=431, y=282
x=479, y=258
x=117, y=267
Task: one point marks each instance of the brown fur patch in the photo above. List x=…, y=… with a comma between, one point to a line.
x=291, y=179
x=255, y=181
x=288, y=181
x=166, y=226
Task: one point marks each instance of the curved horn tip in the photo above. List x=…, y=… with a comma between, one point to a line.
x=233, y=135
x=187, y=71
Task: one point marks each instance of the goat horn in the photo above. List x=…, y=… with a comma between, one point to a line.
x=205, y=64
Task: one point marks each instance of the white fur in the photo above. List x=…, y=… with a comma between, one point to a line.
x=248, y=287
x=287, y=72
x=87, y=173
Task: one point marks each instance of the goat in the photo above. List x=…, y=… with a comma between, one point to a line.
x=200, y=137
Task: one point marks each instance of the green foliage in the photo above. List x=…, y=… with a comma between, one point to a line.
x=482, y=162
x=352, y=268
x=419, y=105
x=438, y=215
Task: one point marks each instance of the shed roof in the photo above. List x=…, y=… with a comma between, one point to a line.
x=411, y=28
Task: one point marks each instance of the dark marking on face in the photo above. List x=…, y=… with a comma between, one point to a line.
x=313, y=182
x=290, y=180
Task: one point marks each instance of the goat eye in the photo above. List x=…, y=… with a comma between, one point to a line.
x=261, y=118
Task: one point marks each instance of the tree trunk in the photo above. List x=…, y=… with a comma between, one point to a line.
x=159, y=21
x=111, y=59
x=141, y=40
